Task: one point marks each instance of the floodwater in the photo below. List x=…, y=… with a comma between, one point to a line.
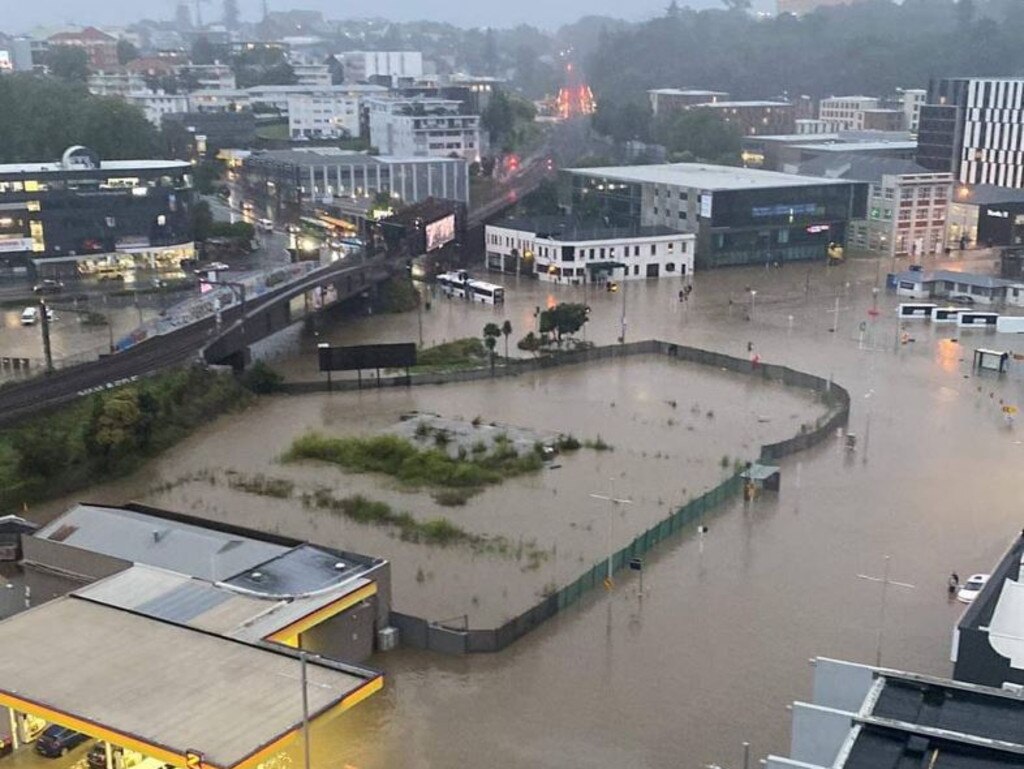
x=718, y=645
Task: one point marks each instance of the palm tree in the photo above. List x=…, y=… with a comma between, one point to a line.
x=506, y=331
x=491, y=334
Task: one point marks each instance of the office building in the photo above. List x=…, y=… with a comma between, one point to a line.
x=424, y=127
x=100, y=48
x=15, y=54
x=910, y=100
x=364, y=66
x=786, y=152
x=846, y=113
x=882, y=120
x=907, y=204
x=560, y=250
x=82, y=214
x=984, y=215
x=317, y=75
x=665, y=100
x=864, y=717
x=751, y=118
x=739, y=215
x=973, y=128
x=323, y=114
x=811, y=126
x=286, y=180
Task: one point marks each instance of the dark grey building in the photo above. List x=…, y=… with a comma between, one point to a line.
x=233, y=581
x=863, y=717
x=988, y=643
x=84, y=214
x=202, y=134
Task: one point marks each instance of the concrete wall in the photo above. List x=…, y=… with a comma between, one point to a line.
x=818, y=733
x=53, y=569
x=841, y=685
x=349, y=636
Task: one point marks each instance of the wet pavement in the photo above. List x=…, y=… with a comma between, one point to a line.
x=719, y=643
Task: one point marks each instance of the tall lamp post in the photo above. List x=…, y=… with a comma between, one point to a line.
x=885, y=582
x=615, y=502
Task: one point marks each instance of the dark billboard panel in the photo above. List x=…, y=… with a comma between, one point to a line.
x=367, y=356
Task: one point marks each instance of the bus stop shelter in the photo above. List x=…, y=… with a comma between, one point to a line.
x=179, y=694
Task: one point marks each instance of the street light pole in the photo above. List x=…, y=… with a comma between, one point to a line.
x=305, y=709
x=885, y=582
x=610, y=497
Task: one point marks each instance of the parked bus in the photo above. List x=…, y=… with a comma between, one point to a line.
x=461, y=286
x=977, y=318
x=946, y=314
x=909, y=310
x=1010, y=324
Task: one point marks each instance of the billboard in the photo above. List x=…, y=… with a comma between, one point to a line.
x=402, y=355
x=706, y=204
x=440, y=232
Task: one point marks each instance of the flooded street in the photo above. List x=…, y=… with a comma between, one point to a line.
x=718, y=644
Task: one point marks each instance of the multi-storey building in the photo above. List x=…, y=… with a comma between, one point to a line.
x=118, y=82
x=753, y=118
x=81, y=213
x=361, y=66
x=910, y=100
x=974, y=128
x=318, y=75
x=207, y=77
x=846, y=113
x=907, y=206
x=560, y=250
x=739, y=215
x=156, y=104
x=664, y=100
x=323, y=114
x=100, y=48
x=15, y=54
x=882, y=120
x=424, y=127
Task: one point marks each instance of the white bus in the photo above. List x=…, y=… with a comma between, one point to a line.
x=946, y=314
x=461, y=286
x=977, y=318
x=908, y=310
x=1010, y=324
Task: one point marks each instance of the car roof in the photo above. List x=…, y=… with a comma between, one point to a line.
x=978, y=578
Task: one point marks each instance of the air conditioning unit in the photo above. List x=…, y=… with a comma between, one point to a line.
x=387, y=639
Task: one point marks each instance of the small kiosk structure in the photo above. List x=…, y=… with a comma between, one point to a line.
x=758, y=478
x=990, y=360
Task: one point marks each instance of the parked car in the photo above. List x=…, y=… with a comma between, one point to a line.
x=972, y=587
x=48, y=287
x=29, y=316
x=961, y=299
x=265, y=224
x=58, y=741
x=97, y=757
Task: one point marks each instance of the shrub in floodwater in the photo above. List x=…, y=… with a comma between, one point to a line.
x=453, y=497
x=598, y=444
x=440, y=531
x=567, y=443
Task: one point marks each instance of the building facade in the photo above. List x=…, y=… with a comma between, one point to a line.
x=424, y=127
x=665, y=100
x=326, y=114
x=846, y=113
x=556, y=250
x=973, y=128
x=361, y=66
x=751, y=118
x=287, y=181
x=100, y=48
x=739, y=215
x=910, y=100
x=82, y=214
x=156, y=104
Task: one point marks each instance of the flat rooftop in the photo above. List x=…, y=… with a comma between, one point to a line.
x=686, y=92
x=752, y=103
x=967, y=278
x=909, y=146
x=567, y=229
x=105, y=165
x=162, y=688
x=132, y=536
x=323, y=156
x=706, y=177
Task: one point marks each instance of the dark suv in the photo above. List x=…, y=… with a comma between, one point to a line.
x=48, y=287
x=58, y=740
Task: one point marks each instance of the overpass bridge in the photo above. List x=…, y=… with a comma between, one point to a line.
x=223, y=340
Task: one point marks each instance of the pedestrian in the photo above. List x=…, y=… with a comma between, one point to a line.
x=953, y=584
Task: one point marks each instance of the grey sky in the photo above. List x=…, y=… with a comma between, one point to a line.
x=20, y=16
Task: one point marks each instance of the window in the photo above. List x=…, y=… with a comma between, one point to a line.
x=654, y=249
x=602, y=253
x=636, y=250
x=682, y=248
x=671, y=246
x=682, y=214
x=670, y=267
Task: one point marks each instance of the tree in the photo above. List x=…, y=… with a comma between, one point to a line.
x=491, y=333
x=506, y=331
x=202, y=221
x=115, y=425
x=68, y=63
x=702, y=134
x=126, y=51
x=543, y=201
x=564, y=319
x=529, y=343
x=207, y=174
x=203, y=51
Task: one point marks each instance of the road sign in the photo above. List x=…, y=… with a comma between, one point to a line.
x=636, y=564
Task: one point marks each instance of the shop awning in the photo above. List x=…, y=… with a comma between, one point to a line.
x=165, y=690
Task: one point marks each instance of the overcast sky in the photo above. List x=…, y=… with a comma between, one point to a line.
x=19, y=16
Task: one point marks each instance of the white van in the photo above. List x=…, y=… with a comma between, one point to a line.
x=265, y=224
x=29, y=316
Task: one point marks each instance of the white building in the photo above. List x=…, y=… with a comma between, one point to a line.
x=323, y=114
x=911, y=100
x=115, y=83
x=846, y=113
x=423, y=127
x=811, y=127
x=208, y=77
x=219, y=100
x=156, y=104
x=277, y=96
x=556, y=251
x=360, y=66
x=318, y=75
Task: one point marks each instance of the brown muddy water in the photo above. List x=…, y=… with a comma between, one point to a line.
x=719, y=643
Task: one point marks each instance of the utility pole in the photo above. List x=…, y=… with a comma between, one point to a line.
x=885, y=582
x=622, y=339
x=44, y=322
x=305, y=708
x=610, y=497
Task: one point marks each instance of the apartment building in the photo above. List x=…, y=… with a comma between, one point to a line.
x=846, y=113
x=323, y=114
x=424, y=127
